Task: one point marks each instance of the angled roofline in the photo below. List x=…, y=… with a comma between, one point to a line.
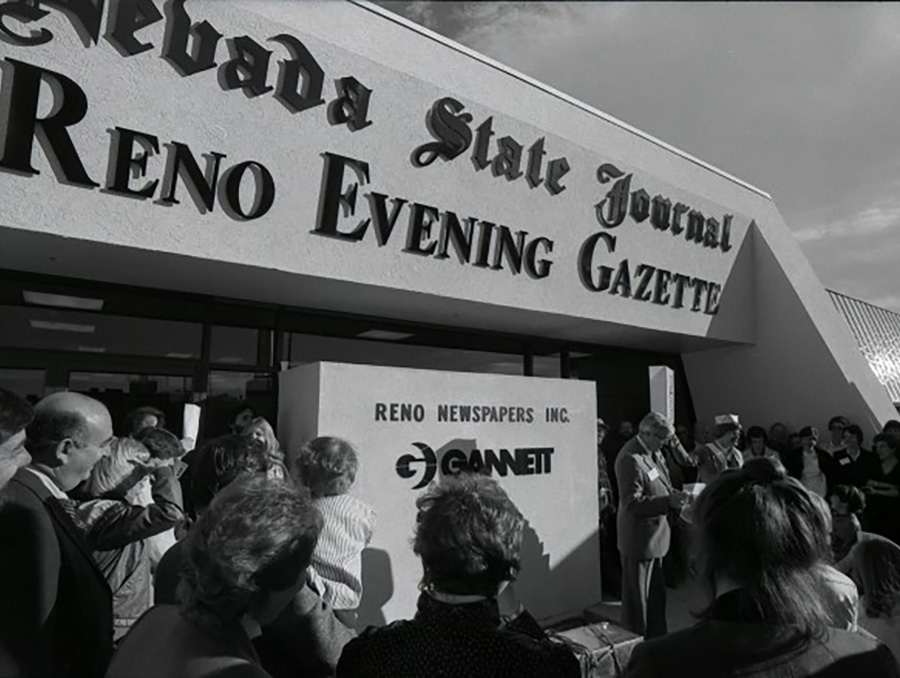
x=406, y=23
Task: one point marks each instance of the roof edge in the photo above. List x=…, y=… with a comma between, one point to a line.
x=437, y=37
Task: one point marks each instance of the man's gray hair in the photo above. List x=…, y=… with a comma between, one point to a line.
x=656, y=424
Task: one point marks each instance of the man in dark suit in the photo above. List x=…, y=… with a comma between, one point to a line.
x=645, y=497
x=56, y=609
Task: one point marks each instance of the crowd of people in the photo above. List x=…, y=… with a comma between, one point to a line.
x=145, y=555
x=656, y=487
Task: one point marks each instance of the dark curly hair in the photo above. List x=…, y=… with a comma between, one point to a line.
x=764, y=530
x=852, y=496
x=134, y=419
x=256, y=537
x=468, y=535
x=15, y=414
x=161, y=444
x=327, y=466
x=221, y=461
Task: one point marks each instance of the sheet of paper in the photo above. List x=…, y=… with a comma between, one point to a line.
x=191, y=423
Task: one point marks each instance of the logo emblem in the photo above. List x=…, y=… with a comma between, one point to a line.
x=428, y=460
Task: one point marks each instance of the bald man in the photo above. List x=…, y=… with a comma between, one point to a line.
x=55, y=606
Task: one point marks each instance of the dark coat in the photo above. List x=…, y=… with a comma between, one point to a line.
x=793, y=463
x=727, y=647
x=304, y=642
x=164, y=643
x=857, y=473
x=445, y=641
x=55, y=606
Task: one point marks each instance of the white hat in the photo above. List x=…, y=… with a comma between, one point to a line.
x=727, y=419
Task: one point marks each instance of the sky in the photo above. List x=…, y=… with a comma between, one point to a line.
x=802, y=100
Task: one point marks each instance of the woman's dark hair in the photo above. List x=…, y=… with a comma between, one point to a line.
x=327, y=466
x=888, y=440
x=763, y=530
x=468, y=535
x=238, y=409
x=839, y=419
x=757, y=432
x=135, y=417
x=256, y=537
x=879, y=566
x=221, y=461
x=15, y=414
x=852, y=496
x=160, y=443
x=856, y=432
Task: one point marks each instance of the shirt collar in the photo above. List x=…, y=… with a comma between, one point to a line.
x=644, y=445
x=52, y=487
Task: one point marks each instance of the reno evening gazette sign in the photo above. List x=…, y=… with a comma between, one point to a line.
x=612, y=229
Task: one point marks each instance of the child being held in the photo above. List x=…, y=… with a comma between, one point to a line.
x=327, y=466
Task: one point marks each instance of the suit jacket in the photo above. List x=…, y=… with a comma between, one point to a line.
x=728, y=647
x=457, y=640
x=793, y=462
x=849, y=472
x=306, y=639
x=644, y=487
x=165, y=643
x=55, y=606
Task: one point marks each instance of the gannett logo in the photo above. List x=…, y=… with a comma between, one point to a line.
x=521, y=461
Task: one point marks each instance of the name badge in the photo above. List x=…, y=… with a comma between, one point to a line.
x=653, y=475
x=844, y=461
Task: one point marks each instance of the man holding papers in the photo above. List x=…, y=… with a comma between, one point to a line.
x=645, y=497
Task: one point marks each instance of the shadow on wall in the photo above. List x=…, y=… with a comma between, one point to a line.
x=378, y=587
x=540, y=586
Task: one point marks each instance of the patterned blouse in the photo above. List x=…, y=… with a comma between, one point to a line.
x=457, y=641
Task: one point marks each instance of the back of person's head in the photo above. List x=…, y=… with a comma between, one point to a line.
x=468, y=535
x=851, y=497
x=144, y=417
x=327, y=466
x=221, y=461
x=255, y=539
x=762, y=530
x=764, y=466
x=879, y=569
x=160, y=443
x=15, y=414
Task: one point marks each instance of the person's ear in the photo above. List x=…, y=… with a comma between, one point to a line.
x=63, y=449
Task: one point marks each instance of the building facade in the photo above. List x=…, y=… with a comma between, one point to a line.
x=200, y=194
